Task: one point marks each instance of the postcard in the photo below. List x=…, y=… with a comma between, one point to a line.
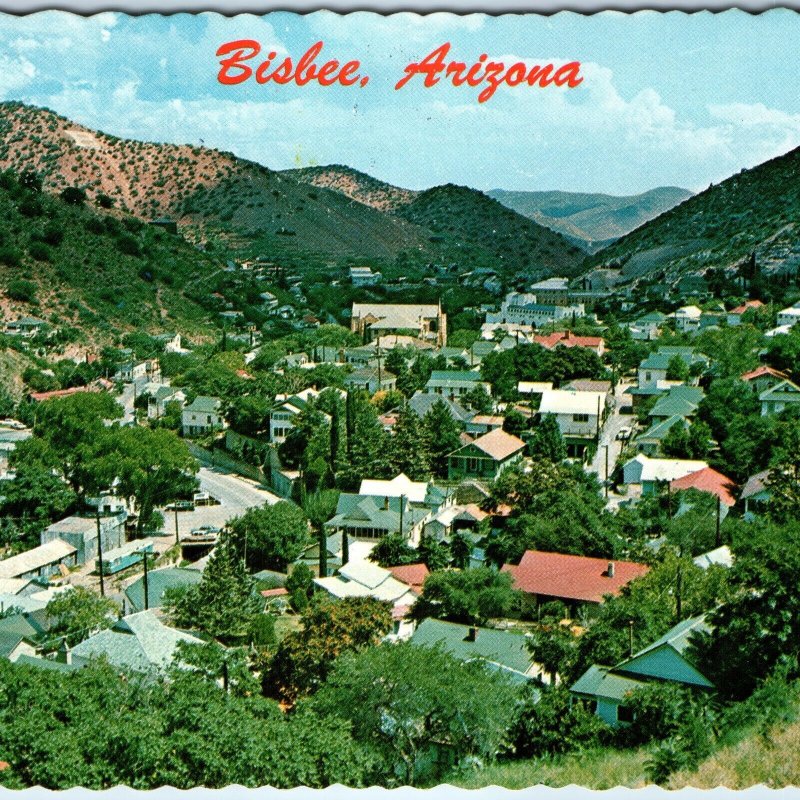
x=399, y=401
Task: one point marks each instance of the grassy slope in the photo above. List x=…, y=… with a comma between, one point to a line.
x=755, y=210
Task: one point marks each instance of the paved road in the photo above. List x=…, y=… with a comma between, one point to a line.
x=608, y=437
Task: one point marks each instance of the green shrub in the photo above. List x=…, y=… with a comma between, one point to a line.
x=22, y=291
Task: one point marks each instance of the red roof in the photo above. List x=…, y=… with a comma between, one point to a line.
x=745, y=306
x=412, y=574
x=279, y=592
x=572, y=577
x=567, y=339
x=759, y=372
x=4, y=765
x=707, y=480
x=42, y=396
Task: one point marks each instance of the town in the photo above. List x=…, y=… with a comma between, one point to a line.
x=561, y=521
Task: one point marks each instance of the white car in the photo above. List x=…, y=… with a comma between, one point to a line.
x=624, y=433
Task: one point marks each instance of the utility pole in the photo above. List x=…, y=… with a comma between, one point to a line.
x=100, y=548
x=719, y=521
x=598, y=419
x=177, y=537
x=402, y=503
x=606, y=481
x=143, y=553
x=630, y=637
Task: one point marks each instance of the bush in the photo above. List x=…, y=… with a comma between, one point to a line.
x=10, y=256
x=22, y=291
x=39, y=251
x=104, y=201
x=74, y=196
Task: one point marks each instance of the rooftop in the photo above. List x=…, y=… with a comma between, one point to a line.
x=497, y=444
x=707, y=480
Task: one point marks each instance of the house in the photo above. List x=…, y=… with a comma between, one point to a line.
x=734, y=316
x=158, y=582
x=504, y=651
x=650, y=441
x=680, y=400
x=358, y=550
x=422, y=494
x=604, y=690
x=364, y=276
x=171, y=341
x=650, y=473
x=422, y=402
x=81, y=533
x=131, y=371
x=426, y=321
x=783, y=395
x=137, y=643
x=160, y=396
x=452, y=519
x=647, y=327
x=576, y=581
x=281, y=418
x=756, y=495
x=371, y=379
x=202, y=415
x=568, y=339
x=710, y=481
x=653, y=370
x=372, y=518
x=763, y=378
x=40, y=562
x=686, y=318
x=789, y=316
x=719, y=556
x=579, y=415
x=485, y=457
x=455, y=383
x=534, y=388
x=365, y=579
x=27, y=327
x=483, y=423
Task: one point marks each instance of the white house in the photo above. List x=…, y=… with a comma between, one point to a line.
x=650, y=472
x=781, y=396
x=687, y=318
x=789, y=316
x=524, y=309
x=203, y=415
x=579, y=415
x=364, y=276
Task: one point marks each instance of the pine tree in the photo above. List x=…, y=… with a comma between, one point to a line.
x=547, y=441
x=410, y=450
x=443, y=436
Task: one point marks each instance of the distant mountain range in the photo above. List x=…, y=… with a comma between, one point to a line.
x=592, y=221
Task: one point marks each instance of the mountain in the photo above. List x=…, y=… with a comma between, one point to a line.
x=470, y=219
x=355, y=185
x=212, y=194
x=756, y=211
x=591, y=220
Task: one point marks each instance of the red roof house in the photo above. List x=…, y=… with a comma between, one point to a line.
x=746, y=306
x=569, y=339
x=412, y=574
x=707, y=480
x=572, y=579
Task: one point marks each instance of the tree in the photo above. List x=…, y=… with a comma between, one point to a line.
x=470, y=597
x=547, y=441
x=78, y=613
x=152, y=467
x=554, y=646
x=678, y=369
x=515, y=422
x=410, y=452
x=406, y=701
x=270, y=537
x=460, y=549
x=687, y=441
x=435, y=555
x=319, y=508
x=479, y=400
x=223, y=603
x=300, y=585
x=442, y=433
x=392, y=550
x=329, y=628
x=784, y=476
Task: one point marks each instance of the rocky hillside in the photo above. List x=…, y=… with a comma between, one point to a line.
x=356, y=185
x=592, y=221
x=755, y=211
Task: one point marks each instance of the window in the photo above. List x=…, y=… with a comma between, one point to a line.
x=472, y=465
x=624, y=714
x=648, y=376
x=580, y=417
x=208, y=418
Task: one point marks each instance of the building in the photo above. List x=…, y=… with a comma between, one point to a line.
x=504, y=651
x=575, y=581
x=789, y=316
x=734, y=316
x=552, y=291
x=525, y=309
x=604, y=690
x=686, y=318
x=40, y=562
x=484, y=423
x=579, y=415
x=81, y=533
x=568, y=339
x=160, y=396
x=27, y=327
x=158, y=582
x=202, y=415
x=710, y=481
x=370, y=517
x=653, y=370
x=650, y=473
x=780, y=397
x=137, y=643
x=485, y=457
x=763, y=378
x=756, y=495
x=421, y=403
x=454, y=384
x=371, y=379
x=281, y=418
x=647, y=327
x=131, y=371
x=364, y=276
x=424, y=494
x=425, y=321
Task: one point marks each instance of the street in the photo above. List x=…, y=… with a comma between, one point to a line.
x=608, y=437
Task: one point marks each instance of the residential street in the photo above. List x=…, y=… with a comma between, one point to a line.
x=608, y=437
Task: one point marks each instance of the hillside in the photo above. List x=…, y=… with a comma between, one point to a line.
x=469, y=219
x=591, y=220
x=355, y=185
x=95, y=273
x=755, y=211
x=212, y=194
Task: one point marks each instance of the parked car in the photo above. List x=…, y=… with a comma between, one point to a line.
x=624, y=433
x=205, y=499
x=180, y=505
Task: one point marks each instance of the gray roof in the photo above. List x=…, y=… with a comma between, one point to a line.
x=138, y=642
x=358, y=510
x=205, y=405
x=600, y=682
x=422, y=402
x=158, y=581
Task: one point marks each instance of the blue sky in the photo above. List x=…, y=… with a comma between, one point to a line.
x=667, y=99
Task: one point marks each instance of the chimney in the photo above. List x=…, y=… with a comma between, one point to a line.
x=610, y=570
x=385, y=503
x=472, y=635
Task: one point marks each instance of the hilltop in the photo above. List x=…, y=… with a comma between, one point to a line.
x=470, y=219
x=592, y=221
x=752, y=212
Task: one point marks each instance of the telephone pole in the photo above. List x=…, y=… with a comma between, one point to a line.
x=100, y=548
x=143, y=553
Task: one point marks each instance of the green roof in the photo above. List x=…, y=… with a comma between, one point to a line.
x=676, y=637
x=599, y=682
x=504, y=648
x=454, y=376
x=46, y=663
x=672, y=406
x=204, y=405
x=158, y=581
x=660, y=429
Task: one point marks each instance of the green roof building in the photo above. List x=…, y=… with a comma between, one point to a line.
x=158, y=581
